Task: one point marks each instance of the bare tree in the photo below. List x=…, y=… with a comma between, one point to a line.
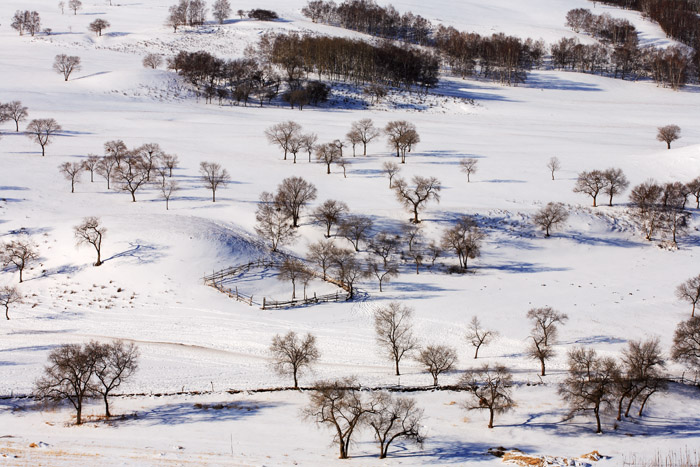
x=91, y=232
x=641, y=374
x=391, y=169
x=282, y=133
x=338, y=404
x=292, y=195
x=71, y=171
x=491, y=389
x=647, y=210
x=106, y=166
x=343, y=163
x=590, y=183
x=292, y=270
x=553, y=165
x=590, y=383
x=292, y=354
x=694, y=189
x=464, y=238
x=383, y=271
x=615, y=183
x=132, y=174
x=308, y=143
x=393, y=325
x=117, y=149
x=151, y=154
x=329, y=213
x=273, y=223
x=19, y=254
x=221, y=10
x=328, y=154
x=668, y=134
x=689, y=291
x=65, y=65
x=116, y=362
x=424, y=189
x=170, y=162
x=469, y=166
x=393, y=418
x=385, y=245
x=213, y=176
x=478, y=336
x=355, y=229
x=550, y=217
x=686, y=344
x=366, y=131
x=348, y=269
x=412, y=234
x=98, y=26
x=437, y=359
x=9, y=295
x=90, y=164
x=16, y=111
x=75, y=5
x=544, y=334
x=152, y=60
x=68, y=376
x=62, y=6
x=42, y=131
x=322, y=253
x=167, y=188
x=354, y=138
x=402, y=135
x=546, y=320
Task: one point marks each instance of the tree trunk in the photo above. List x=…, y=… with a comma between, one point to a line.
x=542, y=364
x=328, y=171
x=476, y=352
x=72, y=186
x=78, y=417
x=435, y=380
x=490, y=418
x=668, y=144
x=7, y=315
x=594, y=202
x=20, y=275
x=296, y=383
x=644, y=402
x=213, y=196
x=99, y=258
x=415, y=214
x=610, y=202
x=107, y=413
x=396, y=364
x=294, y=290
x=596, y=411
x=364, y=151
x=133, y=196
x=167, y=208
x=42, y=151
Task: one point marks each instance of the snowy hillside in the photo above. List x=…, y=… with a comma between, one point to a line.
x=614, y=285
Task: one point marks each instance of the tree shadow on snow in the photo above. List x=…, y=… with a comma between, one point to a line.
x=177, y=414
x=140, y=252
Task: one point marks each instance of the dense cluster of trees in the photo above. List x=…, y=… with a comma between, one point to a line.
x=678, y=18
x=351, y=60
x=500, y=57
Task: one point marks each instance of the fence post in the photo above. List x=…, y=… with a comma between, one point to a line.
x=263, y=303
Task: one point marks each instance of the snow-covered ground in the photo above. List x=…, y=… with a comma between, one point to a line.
x=614, y=286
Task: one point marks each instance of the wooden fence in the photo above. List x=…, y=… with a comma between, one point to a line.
x=217, y=279
x=333, y=297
